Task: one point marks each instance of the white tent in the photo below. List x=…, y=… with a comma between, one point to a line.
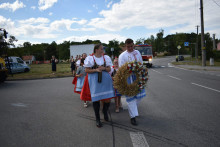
x=80, y=49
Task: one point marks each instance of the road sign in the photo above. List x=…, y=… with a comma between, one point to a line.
x=186, y=43
x=179, y=47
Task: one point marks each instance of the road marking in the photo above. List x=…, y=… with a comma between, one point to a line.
x=156, y=71
x=205, y=87
x=19, y=105
x=169, y=65
x=174, y=77
x=138, y=139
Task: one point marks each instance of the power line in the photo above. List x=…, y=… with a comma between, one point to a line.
x=216, y=3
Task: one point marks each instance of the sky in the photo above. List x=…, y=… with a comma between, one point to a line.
x=44, y=21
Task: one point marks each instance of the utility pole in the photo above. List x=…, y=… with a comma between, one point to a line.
x=197, y=43
x=214, y=47
x=202, y=35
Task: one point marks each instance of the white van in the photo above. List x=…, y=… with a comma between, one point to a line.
x=15, y=59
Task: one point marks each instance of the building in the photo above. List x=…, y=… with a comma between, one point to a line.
x=28, y=59
x=218, y=46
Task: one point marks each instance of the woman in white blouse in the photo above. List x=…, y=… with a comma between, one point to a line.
x=99, y=80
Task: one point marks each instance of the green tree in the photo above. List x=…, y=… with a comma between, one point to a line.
x=159, y=45
x=113, y=44
x=52, y=51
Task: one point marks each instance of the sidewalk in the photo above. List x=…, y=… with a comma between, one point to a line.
x=197, y=67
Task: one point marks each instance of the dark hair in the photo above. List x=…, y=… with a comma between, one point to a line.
x=129, y=41
x=96, y=47
x=82, y=61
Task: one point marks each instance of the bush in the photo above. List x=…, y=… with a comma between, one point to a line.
x=216, y=55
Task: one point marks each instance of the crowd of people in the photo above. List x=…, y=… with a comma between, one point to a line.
x=93, y=79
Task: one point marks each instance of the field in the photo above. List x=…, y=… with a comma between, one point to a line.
x=43, y=71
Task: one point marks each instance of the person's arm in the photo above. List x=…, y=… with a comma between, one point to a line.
x=90, y=70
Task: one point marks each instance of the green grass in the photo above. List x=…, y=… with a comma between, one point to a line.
x=193, y=61
x=43, y=71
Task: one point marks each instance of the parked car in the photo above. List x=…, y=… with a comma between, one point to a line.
x=15, y=59
x=18, y=67
x=179, y=58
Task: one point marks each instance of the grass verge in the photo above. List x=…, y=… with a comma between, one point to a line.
x=193, y=61
x=43, y=71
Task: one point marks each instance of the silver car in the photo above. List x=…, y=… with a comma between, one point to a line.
x=18, y=67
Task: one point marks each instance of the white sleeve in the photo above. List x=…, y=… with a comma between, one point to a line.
x=108, y=60
x=120, y=60
x=112, y=69
x=88, y=62
x=78, y=63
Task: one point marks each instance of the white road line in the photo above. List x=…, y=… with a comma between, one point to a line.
x=174, y=77
x=205, y=87
x=157, y=71
x=138, y=139
x=19, y=105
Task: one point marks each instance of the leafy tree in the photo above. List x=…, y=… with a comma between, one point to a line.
x=113, y=44
x=140, y=41
x=52, y=50
x=11, y=40
x=159, y=46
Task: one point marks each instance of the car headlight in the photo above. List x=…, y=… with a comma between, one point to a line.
x=150, y=59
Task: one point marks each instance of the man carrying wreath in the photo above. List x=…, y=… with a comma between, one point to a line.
x=128, y=56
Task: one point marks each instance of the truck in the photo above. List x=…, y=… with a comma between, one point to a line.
x=146, y=53
x=80, y=49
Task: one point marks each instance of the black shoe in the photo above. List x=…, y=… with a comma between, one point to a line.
x=98, y=123
x=106, y=117
x=133, y=121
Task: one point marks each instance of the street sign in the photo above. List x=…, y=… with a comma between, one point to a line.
x=186, y=43
x=112, y=49
x=179, y=47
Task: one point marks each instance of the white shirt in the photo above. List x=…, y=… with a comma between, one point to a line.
x=78, y=62
x=129, y=57
x=89, y=61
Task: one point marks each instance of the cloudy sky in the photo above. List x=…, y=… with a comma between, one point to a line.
x=39, y=21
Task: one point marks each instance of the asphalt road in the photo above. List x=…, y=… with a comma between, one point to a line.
x=181, y=109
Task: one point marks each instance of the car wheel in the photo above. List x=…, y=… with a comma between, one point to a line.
x=26, y=70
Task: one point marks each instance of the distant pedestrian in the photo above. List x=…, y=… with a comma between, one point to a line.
x=54, y=61
x=73, y=65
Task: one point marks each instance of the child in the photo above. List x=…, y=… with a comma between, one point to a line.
x=80, y=74
x=113, y=71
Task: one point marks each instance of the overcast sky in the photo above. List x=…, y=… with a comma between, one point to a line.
x=44, y=21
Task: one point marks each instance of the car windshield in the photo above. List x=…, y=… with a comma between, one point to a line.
x=144, y=50
x=19, y=60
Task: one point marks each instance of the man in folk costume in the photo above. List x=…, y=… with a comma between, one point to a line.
x=128, y=56
x=98, y=85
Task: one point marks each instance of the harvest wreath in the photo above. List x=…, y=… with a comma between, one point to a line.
x=120, y=79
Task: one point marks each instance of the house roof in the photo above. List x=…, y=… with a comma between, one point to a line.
x=27, y=57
